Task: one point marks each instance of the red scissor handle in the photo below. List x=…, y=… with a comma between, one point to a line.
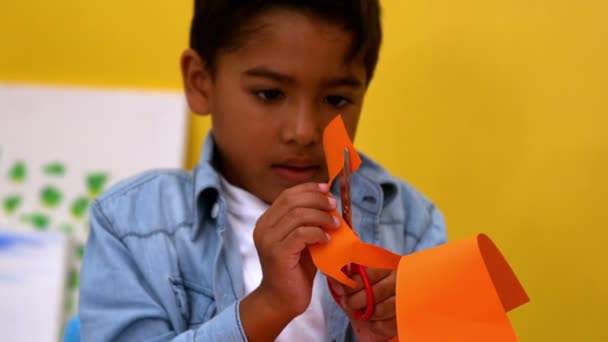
x=360, y=314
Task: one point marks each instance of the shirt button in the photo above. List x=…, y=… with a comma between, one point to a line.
x=215, y=210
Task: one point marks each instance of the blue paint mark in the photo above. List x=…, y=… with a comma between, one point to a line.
x=8, y=240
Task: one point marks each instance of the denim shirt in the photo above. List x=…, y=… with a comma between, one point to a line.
x=161, y=264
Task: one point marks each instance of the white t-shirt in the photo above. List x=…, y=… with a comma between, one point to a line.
x=243, y=211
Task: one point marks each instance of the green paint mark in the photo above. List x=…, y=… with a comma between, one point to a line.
x=37, y=220
x=67, y=228
x=11, y=203
x=50, y=196
x=96, y=182
x=79, y=251
x=18, y=172
x=79, y=207
x=54, y=169
x=73, y=279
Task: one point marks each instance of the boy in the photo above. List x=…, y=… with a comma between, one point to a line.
x=221, y=254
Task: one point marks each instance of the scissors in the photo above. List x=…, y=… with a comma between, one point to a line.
x=352, y=269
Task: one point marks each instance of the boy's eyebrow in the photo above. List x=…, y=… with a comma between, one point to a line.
x=348, y=80
x=267, y=73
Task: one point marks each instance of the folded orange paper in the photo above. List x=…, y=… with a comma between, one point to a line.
x=459, y=291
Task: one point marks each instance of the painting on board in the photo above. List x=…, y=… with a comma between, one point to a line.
x=61, y=147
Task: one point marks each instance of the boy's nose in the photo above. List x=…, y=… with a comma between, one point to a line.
x=302, y=127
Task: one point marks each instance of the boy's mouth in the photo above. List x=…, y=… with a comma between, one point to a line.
x=295, y=173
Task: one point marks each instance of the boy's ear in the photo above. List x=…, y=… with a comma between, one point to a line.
x=197, y=82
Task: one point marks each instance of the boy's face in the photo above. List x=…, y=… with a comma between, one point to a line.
x=271, y=98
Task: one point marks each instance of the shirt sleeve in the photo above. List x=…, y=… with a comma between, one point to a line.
x=116, y=304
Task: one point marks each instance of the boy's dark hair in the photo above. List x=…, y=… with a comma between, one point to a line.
x=224, y=24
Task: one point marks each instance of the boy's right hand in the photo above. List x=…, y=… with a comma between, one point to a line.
x=281, y=236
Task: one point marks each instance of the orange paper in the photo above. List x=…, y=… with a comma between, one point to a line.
x=345, y=247
x=335, y=139
x=459, y=291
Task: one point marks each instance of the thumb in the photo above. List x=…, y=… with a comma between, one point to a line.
x=307, y=264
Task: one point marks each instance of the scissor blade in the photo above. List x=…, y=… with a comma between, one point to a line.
x=345, y=194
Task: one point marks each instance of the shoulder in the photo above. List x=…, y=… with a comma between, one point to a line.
x=159, y=200
x=408, y=220
x=394, y=189
x=401, y=201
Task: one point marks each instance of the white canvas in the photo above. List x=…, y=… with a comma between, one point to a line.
x=33, y=266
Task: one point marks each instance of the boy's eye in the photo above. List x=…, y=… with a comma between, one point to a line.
x=269, y=94
x=337, y=101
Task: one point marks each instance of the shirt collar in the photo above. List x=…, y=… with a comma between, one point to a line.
x=206, y=185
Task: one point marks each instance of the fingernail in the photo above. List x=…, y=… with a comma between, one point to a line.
x=332, y=203
x=323, y=187
x=337, y=222
x=327, y=237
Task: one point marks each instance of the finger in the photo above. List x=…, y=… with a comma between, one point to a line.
x=338, y=288
x=294, y=219
x=385, y=310
x=386, y=328
x=308, y=264
x=301, y=237
x=309, y=195
x=278, y=206
x=306, y=187
x=350, y=313
x=266, y=224
x=352, y=290
x=374, y=275
x=381, y=290
x=299, y=217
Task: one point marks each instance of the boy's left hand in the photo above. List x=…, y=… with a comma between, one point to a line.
x=383, y=323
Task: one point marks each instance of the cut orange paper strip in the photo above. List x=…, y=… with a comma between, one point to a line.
x=335, y=139
x=459, y=291
x=345, y=248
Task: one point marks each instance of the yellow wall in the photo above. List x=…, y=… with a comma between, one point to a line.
x=495, y=109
